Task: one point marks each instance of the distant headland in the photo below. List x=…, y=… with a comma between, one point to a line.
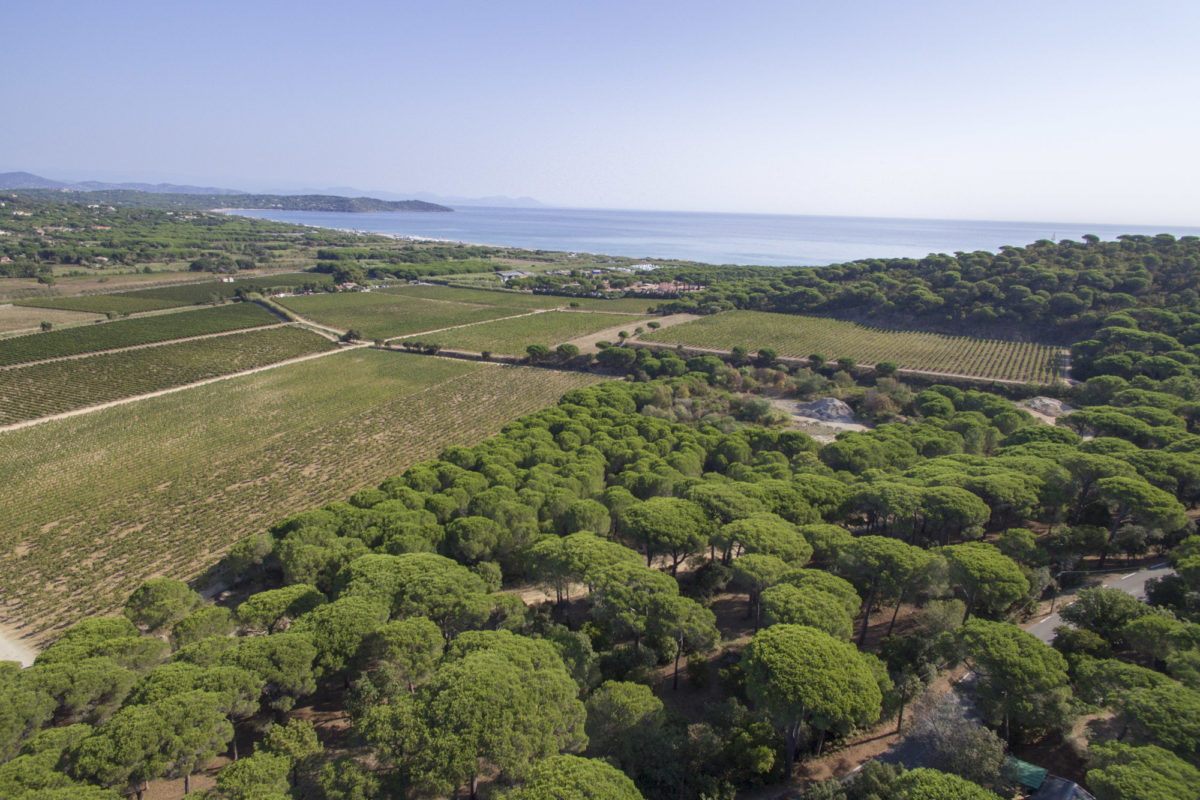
x=194, y=198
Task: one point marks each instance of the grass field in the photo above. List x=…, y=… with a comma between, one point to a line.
x=176, y=296
x=40, y=390
x=382, y=315
x=512, y=336
x=20, y=318
x=130, y=332
x=798, y=337
x=96, y=503
x=117, y=303
x=629, y=305
x=123, y=279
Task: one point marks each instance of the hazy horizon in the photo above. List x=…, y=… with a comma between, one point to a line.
x=537, y=204
x=1070, y=111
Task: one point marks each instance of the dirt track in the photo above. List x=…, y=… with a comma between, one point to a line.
x=13, y=648
x=587, y=344
x=89, y=409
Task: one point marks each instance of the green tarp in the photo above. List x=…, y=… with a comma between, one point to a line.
x=1024, y=773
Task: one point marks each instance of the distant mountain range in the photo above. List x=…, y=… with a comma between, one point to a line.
x=27, y=180
x=172, y=196
x=19, y=181
x=495, y=201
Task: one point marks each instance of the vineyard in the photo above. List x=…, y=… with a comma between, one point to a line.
x=512, y=336
x=628, y=305
x=96, y=503
x=795, y=336
x=382, y=315
x=178, y=295
x=40, y=390
x=483, y=297
x=130, y=332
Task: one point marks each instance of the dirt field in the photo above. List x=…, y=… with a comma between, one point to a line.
x=13, y=648
x=21, y=318
x=587, y=344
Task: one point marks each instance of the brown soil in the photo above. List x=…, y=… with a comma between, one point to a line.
x=587, y=344
x=27, y=319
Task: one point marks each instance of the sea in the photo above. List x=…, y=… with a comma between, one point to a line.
x=711, y=238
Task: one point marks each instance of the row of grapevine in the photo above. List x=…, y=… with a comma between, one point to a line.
x=97, y=503
x=53, y=387
x=131, y=332
x=383, y=315
x=798, y=337
x=178, y=295
x=511, y=336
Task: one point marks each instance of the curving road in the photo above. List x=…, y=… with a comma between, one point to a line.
x=1133, y=583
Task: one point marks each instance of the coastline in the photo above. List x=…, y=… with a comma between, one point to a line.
x=399, y=237
x=714, y=239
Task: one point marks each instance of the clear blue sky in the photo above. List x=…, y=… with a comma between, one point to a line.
x=1072, y=111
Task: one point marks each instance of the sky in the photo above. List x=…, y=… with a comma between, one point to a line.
x=1013, y=110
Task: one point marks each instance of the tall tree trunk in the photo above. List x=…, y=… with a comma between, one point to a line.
x=791, y=741
x=895, y=614
x=862, y=638
x=234, y=744
x=900, y=716
x=820, y=742
x=1112, y=533
x=187, y=783
x=678, y=653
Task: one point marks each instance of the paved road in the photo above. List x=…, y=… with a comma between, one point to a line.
x=909, y=750
x=1134, y=583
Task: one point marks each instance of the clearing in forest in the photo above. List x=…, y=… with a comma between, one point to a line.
x=512, y=336
x=794, y=336
x=95, y=504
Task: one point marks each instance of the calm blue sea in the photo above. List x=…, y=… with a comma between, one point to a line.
x=763, y=239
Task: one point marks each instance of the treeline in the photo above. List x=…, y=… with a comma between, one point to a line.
x=42, y=234
x=39, y=235
x=1054, y=289
x=1129, y=308
x=633, y=506
x=408, y=262
x=207, y=202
